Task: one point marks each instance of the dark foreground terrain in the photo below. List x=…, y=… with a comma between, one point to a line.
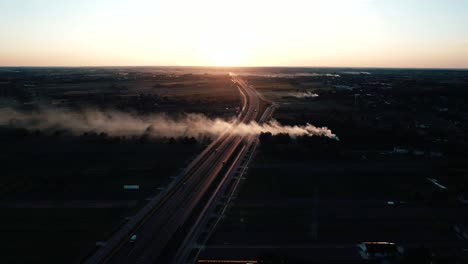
x=63, y=191
x=394, y=187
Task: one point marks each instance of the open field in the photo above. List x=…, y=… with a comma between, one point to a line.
x=304, y=197
x=55, y=167
x=61, y=192
x=57, y=235
x=402, y=135
x=130, y=89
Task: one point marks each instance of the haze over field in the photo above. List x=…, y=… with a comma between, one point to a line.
x=385, y=33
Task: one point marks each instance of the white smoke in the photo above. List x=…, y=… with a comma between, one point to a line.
x=274, y=127
x=117, y=123
x=307, y=94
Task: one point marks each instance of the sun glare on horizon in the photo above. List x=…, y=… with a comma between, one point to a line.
x=223, y=56
x=357, y=33
x=226, y=40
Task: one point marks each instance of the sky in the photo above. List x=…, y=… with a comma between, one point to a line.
x=350, y=33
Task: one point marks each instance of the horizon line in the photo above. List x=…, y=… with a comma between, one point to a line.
x=221, y=66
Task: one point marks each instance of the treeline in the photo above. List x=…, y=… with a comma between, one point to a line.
x=95, y=137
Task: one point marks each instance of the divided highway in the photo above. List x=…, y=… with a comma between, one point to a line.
x=167, y=226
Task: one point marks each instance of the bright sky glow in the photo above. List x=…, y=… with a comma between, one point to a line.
x=380, y=33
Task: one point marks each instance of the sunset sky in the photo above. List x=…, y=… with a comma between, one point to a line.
x=357, y=33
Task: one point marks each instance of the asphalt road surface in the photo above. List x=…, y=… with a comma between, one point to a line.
x=159, y=223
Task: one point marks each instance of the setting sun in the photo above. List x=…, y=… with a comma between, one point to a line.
x=241, y=33
x=223, y=55
x=226, y=40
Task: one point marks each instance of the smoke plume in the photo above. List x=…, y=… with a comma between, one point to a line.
x=307, y=94
x=116, y=123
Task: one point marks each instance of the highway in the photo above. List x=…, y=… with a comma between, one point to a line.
x=167, y=226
